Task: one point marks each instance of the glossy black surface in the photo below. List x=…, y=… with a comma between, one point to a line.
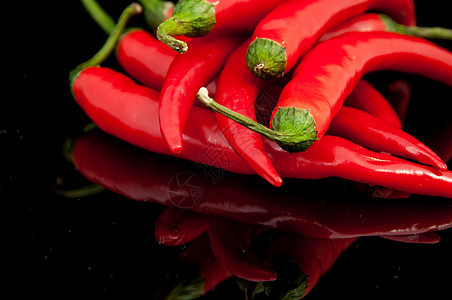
x=104, y=245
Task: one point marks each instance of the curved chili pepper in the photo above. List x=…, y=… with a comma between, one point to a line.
x=176, y=226
x=237, y=89
x=313, y=256
x=196, y=272
x=367, y=98
x=380, y=22
x=234, y=254
x=129, y=111
x=400, y=97
x=186, y=74
x=322, y=81
x=368, y=131
x=294, y=26
x=195, y=18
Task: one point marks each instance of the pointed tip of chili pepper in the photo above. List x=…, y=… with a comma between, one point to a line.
x=177, y=149
x=276, y=181
x=266, y=59
x=299, y=127
x=191, y=18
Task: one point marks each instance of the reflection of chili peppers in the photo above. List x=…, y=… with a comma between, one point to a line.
x=368, y=131
x=186, y=74
x=424, y=238
x=237, y=89
x=313, y=256
x=129, y=111
x=199, y=275
x=294, y=26
x=176, y=226
x=322, y=81
x=195, y=18
x=367, y=98
x=379, y=22
x=234, y=254
x=318, y=211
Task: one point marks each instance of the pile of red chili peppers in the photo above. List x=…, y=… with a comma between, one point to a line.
x=290, y=101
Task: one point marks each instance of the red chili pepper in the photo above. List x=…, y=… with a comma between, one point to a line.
x=367, y=98
x=195, y=18
x=234, y=254
x=366, y=130
x=186, y=74
x=328, y=74
x=313, y=256
x=400, y=97
x=129, y=111
x=196, y=272
x=309, y=207
x=176, y=226
x=144, y=58
x=293, y=27
x=237, y=89
x=379, y=22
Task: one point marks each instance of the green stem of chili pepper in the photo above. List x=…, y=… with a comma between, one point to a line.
x=85, y=191
x=130, y=11
x=290, y=138
x=99, y=16
x=424, y=32
x=190, y=18
x=156, y=12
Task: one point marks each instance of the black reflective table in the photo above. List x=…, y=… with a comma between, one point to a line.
x=104, y=245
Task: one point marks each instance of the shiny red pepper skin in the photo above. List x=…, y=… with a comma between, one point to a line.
x=314, y=256
x=176, y=226
x=297, y=25
x=332, y=77
x=144, y=57
x=130, y=112
x=234, y=254
x=367, y=98
x=186, y=75
x=370, y=132
x=362, y=23
x=309, y=209
x=240, y=15
x=238, y=89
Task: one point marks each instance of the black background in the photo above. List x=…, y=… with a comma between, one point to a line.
x=104, y=245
